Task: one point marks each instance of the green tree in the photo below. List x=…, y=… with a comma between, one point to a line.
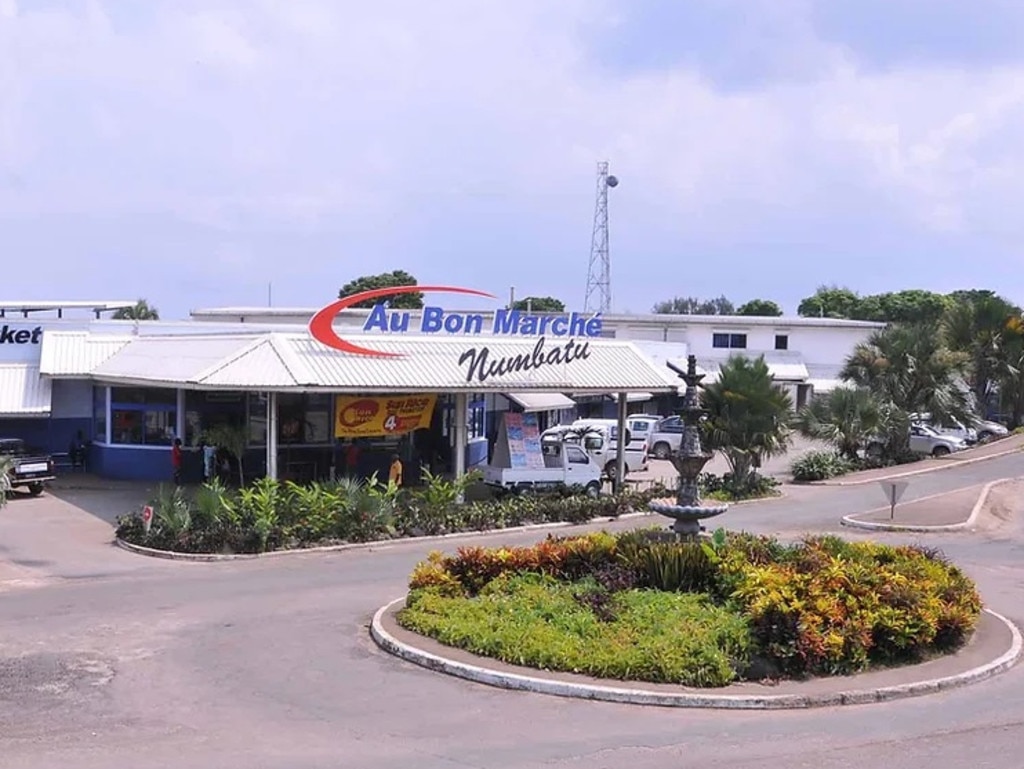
x=691, y=305
x=6, y=465
x=910, y=306
x=539, y=304
x=978, y=324
x=141, y=310
x=233, y=439
x=1009, y=377
x=764, y=308
x=748, y=416
x=385, y=280
x=847, y=418
x=829, y=302
x=909, y=367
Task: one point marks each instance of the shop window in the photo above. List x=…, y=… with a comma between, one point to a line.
x=142, y=416
x=99, y=414
x=476, y=422
x=205, y=410
x=304, y=419
x=729, y=341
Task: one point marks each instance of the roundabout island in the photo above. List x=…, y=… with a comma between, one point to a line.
x=735, y=621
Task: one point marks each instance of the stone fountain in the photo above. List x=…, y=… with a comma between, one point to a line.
x=687, y=509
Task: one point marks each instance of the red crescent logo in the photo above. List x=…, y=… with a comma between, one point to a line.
x=321, y=326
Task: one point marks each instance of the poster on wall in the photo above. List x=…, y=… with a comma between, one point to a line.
x=514, y=437
x=376, y=416
x=531, y=441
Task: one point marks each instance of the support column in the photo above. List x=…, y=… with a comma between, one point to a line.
x=179, y=422
x=461, y=410
x=272, y=435
x=620, y=446
x=108, y=433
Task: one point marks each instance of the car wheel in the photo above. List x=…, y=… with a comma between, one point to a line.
x=662, y=450
x=940, y=451
x=35, y=489
x=874, y=451
x=594, y=489
x=984, y=437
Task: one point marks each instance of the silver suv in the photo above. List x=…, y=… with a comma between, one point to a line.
x=925, y=440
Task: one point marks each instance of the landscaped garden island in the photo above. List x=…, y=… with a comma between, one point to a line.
x=645, y=606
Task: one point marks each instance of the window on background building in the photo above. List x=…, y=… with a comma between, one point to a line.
x=143, y=416
x=99, y=414
x=729, y=341
x=781, y=341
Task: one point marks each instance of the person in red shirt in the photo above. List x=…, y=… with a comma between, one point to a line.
x=176, y=461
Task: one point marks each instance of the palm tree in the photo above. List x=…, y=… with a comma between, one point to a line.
x=909, y=367
x=233, y=439
x=139, y=311
x=748, y=416
x=847, y=418
x=976, y=325
x=5, y=479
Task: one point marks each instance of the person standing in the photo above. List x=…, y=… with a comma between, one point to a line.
x=395, y=473
x=352, y=460
x=176, y=461
x=209, y=461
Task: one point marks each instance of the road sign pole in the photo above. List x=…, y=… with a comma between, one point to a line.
x=893, y=491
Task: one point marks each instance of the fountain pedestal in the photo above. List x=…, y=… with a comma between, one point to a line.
x=688, y=510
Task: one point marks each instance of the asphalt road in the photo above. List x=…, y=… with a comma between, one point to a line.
x=111, y=660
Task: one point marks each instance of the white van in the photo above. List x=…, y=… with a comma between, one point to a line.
x=602, y=444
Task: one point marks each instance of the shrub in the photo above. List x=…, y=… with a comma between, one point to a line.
x=269, y=514
x=536, y=620
x=821, y=606
x=726, y=488
x=819, y=465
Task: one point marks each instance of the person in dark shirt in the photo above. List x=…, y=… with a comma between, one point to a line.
x=176, y=461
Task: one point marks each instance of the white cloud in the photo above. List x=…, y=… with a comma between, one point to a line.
x=310, y=109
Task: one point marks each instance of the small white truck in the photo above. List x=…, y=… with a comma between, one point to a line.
x=564, y=465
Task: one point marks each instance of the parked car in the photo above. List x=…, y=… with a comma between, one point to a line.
x=953, y=427
x=28, y=469
x=925, y=440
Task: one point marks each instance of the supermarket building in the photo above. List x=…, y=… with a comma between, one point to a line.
x=128, y=388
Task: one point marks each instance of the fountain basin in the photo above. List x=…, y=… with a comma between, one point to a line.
x=671, y=509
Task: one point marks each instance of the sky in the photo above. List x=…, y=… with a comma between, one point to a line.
x=195, y=152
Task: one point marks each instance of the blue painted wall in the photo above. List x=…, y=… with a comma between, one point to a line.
x=52, y=436
x=131, y=463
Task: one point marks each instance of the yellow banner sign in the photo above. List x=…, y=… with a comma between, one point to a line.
x=368, y=417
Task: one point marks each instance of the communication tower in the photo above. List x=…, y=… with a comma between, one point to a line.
x=599, y=274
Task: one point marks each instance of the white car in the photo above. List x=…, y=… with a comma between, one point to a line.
x=982, y=431
x=925, y=440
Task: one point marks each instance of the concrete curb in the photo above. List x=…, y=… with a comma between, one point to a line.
x=216, y=557
x=952, y=463
x=852, y=522
x=621, y=695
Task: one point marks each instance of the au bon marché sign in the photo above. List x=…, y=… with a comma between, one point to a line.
x=572, y=330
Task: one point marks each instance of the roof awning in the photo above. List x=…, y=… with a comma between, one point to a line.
x=788, y=371
x=295, y=362
x=541, y=401
x=634, y=397
x=23, y=392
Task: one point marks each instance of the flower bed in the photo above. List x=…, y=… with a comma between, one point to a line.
x=638, y=606
x=272, y=515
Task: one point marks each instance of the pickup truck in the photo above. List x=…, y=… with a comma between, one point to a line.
x=564, y=465
x=604, y=449
x=25, y=468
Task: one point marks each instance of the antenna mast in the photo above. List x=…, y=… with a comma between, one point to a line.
x=599, y=273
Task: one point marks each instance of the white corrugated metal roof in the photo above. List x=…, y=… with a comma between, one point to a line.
x=172, y=359
x=23, y=392
x=787, y=371
x=278, y=361
x=77, y=353
x=541, y=401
